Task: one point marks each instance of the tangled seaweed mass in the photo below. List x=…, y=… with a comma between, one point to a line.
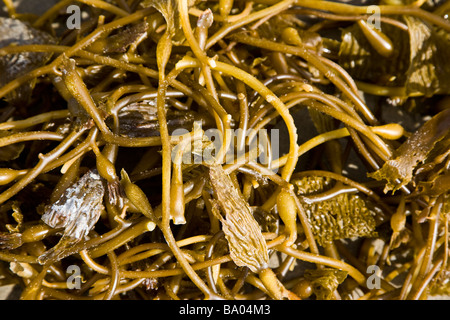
x=129, y=167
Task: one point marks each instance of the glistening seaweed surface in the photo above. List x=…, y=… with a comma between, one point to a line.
x=116, y=136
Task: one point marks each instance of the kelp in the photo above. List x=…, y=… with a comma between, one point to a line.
x=325, y=281
x=12, y=66
x=140, y=119
x=247, y=245
x=414, y=151
x=411, y=66
x=186, y=150
x=120, y=41
x=169, y=9
x=10, y=152
x=344, y=216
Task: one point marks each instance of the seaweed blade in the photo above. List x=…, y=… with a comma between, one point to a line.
x=245, y=240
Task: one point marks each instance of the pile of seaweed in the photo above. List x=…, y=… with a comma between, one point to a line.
x=151, y=149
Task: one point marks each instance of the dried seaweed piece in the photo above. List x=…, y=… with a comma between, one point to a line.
x=76, y=211
x=18, y=217
x=325, y=281
x=245, y=240
x=12, y=239
x=9, y=241
x=12, y=66
x=140, y=119
x=121, y=41
x=79, y=207
x=169, y=9
x=342, y=217
x=399, y=171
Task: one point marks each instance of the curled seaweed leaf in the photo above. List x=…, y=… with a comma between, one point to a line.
x=169, y=9
x=399, y=171
x=325, y=281
x=17, y=216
